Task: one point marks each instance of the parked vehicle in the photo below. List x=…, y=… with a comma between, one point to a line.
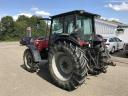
x=66, y=50
x=113, y=44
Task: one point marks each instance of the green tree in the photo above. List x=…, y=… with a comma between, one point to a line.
x=1, y=31
x=22, y=18
x=14, y=30
x=38, y=26
x=7, y=24
x=20, y=26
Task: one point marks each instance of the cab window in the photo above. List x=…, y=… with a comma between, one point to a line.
x=57, y=26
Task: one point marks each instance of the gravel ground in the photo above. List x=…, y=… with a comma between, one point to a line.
x=15, y=81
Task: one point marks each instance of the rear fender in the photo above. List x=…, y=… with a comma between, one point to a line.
x=69, y=40
x=35, y=53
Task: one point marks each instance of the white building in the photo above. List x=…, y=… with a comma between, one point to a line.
x=108, y=28
x=105, y=28
x=123, y=33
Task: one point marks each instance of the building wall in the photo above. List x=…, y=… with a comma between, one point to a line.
x=124, y=35
x=105, y=28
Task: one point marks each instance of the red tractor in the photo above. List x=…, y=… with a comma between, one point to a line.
x=71, y=49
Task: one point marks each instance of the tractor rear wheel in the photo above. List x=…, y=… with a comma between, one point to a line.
x=67, y=65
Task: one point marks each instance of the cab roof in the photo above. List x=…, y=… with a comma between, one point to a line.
x=75, y=12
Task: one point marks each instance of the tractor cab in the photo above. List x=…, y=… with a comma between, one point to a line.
x=78, y=24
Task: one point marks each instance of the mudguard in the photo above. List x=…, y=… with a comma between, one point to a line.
x=35, y=53
x=64, y=37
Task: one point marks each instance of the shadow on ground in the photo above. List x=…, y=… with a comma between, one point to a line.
x=44, y=74
x=120, y=53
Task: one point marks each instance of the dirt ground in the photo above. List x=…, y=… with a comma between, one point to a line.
x=15, y=81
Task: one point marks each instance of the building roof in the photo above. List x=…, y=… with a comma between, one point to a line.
x=75, y=12
x=122, y=26
x=114, y=23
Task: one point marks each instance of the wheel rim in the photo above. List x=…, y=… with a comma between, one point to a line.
x=113, y=50
x=62, y=66
x=28, y=60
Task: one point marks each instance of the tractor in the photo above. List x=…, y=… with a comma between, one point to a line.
x=71, y=50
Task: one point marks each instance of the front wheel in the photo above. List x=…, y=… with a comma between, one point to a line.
x=67, y=65
x=113, y=50
x=28, y=61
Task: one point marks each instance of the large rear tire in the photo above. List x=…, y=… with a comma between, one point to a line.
x=67, y=65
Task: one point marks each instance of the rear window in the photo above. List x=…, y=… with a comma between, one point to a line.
x=118, y=40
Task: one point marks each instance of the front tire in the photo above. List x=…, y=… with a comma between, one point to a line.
x=29, y=61
x=67, y=65
x=112, y=50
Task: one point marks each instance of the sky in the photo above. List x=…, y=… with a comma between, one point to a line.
x=108, y=9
